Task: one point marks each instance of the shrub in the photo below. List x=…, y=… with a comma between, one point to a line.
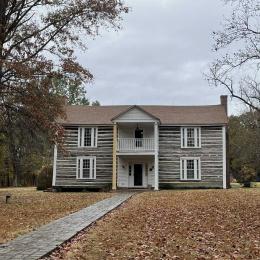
x=247, y=174
x=44, y=180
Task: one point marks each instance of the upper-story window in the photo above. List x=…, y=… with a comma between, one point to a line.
x=87, y=137
x=190, y=137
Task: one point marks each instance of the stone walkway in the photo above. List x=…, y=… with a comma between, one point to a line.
x=38, y=243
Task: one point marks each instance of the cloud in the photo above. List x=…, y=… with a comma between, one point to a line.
x=158, y=57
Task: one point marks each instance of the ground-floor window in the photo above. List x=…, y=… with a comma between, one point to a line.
x=190, y=168
x=86, y=167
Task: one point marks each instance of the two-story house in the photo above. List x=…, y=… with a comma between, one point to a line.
x=143, y=147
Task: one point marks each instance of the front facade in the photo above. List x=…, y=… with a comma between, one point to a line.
x=143, y=147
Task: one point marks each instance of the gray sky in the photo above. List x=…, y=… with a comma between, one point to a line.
x=159, y=56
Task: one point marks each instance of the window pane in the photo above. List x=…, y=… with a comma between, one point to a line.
x=190, y=137
x=95, y=137
x=130, y=170
x=183, y=137
x=86, y=168
x=87, y=137
x=182, y=169
x=80, y=136
x=198, y=137
x=190, y=169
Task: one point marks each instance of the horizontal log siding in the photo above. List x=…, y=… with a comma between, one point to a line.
x=210, y=154
x=66, y=164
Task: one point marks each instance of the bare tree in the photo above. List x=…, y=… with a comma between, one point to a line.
x=238, y=69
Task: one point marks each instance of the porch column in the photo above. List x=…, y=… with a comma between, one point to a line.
x=224, y=157
x=54, y=165
x=156, y=160
x=114, y=177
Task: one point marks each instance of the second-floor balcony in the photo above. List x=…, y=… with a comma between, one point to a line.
x=135, y=145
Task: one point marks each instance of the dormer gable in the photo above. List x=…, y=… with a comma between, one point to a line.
x=135, y=114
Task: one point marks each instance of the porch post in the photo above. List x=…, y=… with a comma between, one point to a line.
x=114, y=177
x=54, y=165
x=224, y=157
x=156, y=160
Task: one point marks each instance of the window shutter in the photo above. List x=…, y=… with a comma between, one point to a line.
x=182, y=170
x=199, y=137
x=94, y=137
x=78, y=168
x=79, y=136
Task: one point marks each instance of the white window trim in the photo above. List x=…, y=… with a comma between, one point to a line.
x=184, y=178
x=197, y=130
x=92, y=166
x=94, y=136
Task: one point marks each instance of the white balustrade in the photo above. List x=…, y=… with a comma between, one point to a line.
x=135, y=144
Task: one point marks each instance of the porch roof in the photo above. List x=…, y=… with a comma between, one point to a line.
x=168, y=115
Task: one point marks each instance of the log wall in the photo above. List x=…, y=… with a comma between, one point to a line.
x=210, y=153
x=67, y=163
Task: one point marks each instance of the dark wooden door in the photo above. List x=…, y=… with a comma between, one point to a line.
x=139, y=137
x=138, y=175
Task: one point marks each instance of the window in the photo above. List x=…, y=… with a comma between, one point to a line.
x=190, y=137
x=86, y=167
x=87, y=136
x=190, y=169
x=130, y=170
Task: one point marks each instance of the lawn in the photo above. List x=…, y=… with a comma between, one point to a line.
x=194, y=224
x=29, y=209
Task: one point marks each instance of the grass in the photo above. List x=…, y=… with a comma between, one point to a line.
x=194, y=224
x=29, y=209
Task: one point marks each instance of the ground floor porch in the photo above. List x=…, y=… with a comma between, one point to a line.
x=135, y=171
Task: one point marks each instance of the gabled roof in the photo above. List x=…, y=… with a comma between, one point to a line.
x=133, y=107
x=168, y=115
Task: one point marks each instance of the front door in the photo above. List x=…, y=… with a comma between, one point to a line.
x=138, y=175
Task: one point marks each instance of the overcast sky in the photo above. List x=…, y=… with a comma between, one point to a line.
x=159, y=56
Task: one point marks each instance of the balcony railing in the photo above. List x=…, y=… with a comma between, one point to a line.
x=135, y=144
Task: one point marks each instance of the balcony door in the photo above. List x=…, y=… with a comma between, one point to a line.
x=139, y=134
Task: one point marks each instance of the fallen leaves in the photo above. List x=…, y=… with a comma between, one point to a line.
x=192, y=224
x=29, y=209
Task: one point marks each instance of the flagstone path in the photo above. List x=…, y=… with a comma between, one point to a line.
x=40, y=242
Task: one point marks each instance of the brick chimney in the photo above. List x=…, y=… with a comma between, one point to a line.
x=224, y=102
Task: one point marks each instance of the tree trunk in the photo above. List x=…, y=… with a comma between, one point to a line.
x=15, y=160
x=15, y=164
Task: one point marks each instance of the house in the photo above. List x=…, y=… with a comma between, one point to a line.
x=143, y=147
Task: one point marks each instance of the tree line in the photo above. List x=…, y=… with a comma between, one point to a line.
x=27, y=151
x=237, y=70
